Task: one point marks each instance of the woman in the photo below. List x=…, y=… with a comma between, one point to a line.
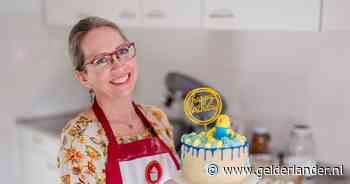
x=115, y=141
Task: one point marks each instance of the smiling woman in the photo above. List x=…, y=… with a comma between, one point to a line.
x=116, y=140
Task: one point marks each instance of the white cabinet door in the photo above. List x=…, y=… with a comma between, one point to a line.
x=38, y=156
x=123, y=13
x=171, y=13
x=336, y=15
x=65, y=12
x=39, y=169
x=262, y=15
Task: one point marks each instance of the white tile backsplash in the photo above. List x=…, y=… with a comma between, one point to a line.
x=330, y=99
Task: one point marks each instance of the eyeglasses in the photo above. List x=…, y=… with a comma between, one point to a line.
x=122, y=54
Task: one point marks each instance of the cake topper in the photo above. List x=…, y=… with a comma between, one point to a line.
x=203, y=105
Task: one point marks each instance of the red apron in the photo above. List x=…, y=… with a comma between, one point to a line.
x=148, y=161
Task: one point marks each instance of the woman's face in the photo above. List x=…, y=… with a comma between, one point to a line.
x=114, y=80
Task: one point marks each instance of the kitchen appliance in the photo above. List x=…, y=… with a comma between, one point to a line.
x=178, y=85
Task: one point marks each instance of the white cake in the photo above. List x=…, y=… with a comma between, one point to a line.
x=205, y=154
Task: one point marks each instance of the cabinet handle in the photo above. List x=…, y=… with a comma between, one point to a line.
x=127, y=15
x=222, y=13
x=156, y=14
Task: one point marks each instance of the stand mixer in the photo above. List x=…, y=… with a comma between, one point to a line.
x=178, y=85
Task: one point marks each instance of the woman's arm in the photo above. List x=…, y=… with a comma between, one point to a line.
x=80, y=158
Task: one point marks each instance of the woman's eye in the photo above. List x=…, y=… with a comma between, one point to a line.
x=100, y=61
x=123, y=51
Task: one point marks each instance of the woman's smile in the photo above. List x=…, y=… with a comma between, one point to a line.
x=121, y=80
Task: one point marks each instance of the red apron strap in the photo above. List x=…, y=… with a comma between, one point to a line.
x=145, y=120
x=103, y=120
x=113, y=175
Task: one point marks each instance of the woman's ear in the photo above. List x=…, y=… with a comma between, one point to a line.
x=82, y=78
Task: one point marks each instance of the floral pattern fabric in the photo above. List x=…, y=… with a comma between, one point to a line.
x=83, y=150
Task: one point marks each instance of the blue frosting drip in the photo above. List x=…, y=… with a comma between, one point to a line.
x=247, y=162
x=212, y=152
x=222, y=154
x=232, y=153
x=188, y=147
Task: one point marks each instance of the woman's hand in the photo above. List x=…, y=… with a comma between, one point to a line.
x=171, y=182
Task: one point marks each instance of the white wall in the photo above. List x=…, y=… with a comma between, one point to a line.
x=36, y=79
x=269, y=78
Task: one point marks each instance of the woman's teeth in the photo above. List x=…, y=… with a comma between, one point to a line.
x=120, y=80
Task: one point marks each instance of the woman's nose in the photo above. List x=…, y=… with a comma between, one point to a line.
x=116, y=64
x=115, y=59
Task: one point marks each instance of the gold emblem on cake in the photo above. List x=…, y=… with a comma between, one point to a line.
x=203, y=105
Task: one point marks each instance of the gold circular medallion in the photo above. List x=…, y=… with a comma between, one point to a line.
x=203, y=105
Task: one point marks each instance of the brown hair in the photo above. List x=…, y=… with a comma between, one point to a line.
x=77, y=33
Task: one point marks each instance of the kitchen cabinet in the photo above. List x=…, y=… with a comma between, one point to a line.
x=40, y=169
x=262, y=15
x=64, y=12
x=38, y=152
x=124, y=13
x=67, y=13
x=132, y=13
x=335, y=15
x=38, y=145
x=170, y=13
x=211, y=14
